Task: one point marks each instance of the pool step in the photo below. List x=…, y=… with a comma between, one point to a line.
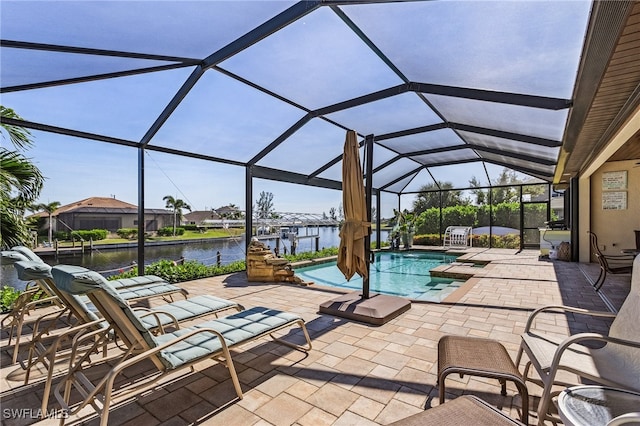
x=440, y=292
x=455, y=270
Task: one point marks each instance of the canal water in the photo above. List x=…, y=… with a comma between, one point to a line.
x=109, y=262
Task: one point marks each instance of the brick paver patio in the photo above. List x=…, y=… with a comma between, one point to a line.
x=356, y=374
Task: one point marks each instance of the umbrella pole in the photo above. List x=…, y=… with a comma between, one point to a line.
x=368, y=190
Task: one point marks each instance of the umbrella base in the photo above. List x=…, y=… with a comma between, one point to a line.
x=378, y=309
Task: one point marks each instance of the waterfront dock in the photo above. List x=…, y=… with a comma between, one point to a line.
x=87, y=246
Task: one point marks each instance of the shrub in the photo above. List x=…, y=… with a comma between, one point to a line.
x=7, y=296
x=127, y=233
x=60, y=235
x=193, y=270
x=308, y=255
x=427, y=240
x=189, y=270
x=94, y=234
x=167, y=231
x=511, y=241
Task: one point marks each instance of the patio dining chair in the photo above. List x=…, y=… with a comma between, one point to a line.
x=615, y=362
x=47, y=348
x=167, y=352
x=609, y=264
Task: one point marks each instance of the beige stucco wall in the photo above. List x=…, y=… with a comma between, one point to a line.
x=613, y=227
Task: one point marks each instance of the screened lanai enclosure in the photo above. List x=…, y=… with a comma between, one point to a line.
x=449, y=95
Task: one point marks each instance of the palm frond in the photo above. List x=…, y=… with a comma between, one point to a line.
x=20, y=137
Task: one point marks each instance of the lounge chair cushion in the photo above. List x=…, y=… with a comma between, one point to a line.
x=32, y=270
x=235, y=329
x=187, y=309
x=143, y=292
x=136, y=281
x=180, y=310
x=82, y=280
x=85, y=282
x=249, y=323
x=26, y=252
x=38, y=270
x=10, y=257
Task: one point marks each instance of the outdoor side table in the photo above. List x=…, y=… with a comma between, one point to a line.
x=479, y=357
x=591, y=405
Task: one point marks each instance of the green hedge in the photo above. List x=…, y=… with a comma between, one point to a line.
x=189, y=270
x=8, y=295
x=511, y=241
x=167, y=231
x=127, y=233
x=82, y=234
x=94, y=234
x=60, y=235
x=503, y=214
x=308, y=255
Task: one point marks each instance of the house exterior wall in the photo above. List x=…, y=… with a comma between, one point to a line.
x=614, y=228
x=109, y=221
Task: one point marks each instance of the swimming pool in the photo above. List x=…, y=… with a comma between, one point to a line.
x=400, y=274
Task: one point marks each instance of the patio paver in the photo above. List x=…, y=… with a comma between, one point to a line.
x=356, y=374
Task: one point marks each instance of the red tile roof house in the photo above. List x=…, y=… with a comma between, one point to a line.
x=105, y=213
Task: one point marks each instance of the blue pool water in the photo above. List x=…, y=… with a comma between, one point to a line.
x=400, y=274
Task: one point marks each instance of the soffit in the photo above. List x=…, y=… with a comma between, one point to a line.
x=617, y=95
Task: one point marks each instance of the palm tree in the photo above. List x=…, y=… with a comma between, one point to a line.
x=177, y=205
x=20, y=183
x=49, y=208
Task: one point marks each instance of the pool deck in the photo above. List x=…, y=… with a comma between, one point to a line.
x=356, y=374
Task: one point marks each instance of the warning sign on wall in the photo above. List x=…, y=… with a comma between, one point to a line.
x=614, y=200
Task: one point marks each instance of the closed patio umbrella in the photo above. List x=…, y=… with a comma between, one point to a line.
x=353, y=254
x=352, y=257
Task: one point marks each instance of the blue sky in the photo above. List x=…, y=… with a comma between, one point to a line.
x=524, y=47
